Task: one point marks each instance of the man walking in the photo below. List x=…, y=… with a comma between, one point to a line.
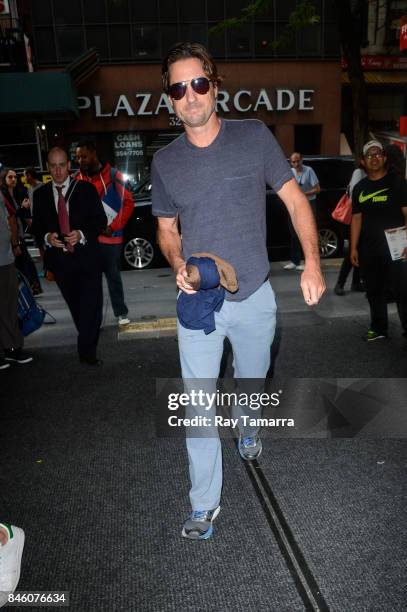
x=379, y=203
x=118, y=204
x=308, y=183
x=213, y=177
x=68, y=217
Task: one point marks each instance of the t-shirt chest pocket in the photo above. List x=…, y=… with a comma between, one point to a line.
x=240, y=190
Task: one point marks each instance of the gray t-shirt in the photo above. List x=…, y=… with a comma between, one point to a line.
x=6, y=254
x=219, y=193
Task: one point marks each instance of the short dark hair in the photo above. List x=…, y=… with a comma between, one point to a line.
x=32, y=172
x=186, y=50
x=89, y=144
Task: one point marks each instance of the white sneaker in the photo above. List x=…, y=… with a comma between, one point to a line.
x=10, y=561
x=300, y=267
x=290, y=266
x=124, y=321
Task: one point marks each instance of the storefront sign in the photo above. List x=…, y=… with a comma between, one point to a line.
x=381, y=62
x=128, y=146
x=243, y=101
x=4, y=7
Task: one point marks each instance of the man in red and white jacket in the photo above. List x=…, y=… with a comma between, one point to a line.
x=118, y=204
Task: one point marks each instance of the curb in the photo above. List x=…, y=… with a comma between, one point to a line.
x=159, y=328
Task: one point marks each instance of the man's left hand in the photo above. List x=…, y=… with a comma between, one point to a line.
x=312, y=285
x=108, y=231
x=73, y=237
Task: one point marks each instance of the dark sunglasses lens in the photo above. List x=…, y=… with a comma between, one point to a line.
x=200, y=85
x=177, y=90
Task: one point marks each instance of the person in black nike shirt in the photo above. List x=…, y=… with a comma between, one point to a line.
x=379, y=202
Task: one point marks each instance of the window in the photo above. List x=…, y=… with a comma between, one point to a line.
x=214, y=10
x=94, y=11
x=145, y=41
x=267, y=13
x=286, y=41
x=191, y=11
x=45, y=44
x=284, y=9
x=143, y=11
x=168, y=10
x=309, y=40
x=120, y=41
x=216, y=42
x=70, y=43
x=234, y=7
x=68, y=12
x=263, y=39
x=169, y=36
x=41, y=12
x=239, y=42
x=307, y=139
x=117, y=10
x=331, y=40
x=195, y=32
x=96, y=37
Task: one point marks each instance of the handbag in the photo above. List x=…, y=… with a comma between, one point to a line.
x=343, y=210
x=30, y=315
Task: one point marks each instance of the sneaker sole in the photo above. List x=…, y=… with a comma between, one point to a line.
x=250, y=458
x=4, y=366
x=378, y=338
x=19, y=556
x=208, y=533
x=12, y=360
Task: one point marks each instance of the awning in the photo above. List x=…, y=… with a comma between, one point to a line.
x=380, y=77
x=51, y=94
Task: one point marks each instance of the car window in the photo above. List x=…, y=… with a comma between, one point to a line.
x=333, y=173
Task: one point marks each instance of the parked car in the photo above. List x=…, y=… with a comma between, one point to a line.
x=140, y=249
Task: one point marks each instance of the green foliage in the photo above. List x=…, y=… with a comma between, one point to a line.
x=304, y=14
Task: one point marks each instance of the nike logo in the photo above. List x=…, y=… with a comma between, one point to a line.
x=364, y=198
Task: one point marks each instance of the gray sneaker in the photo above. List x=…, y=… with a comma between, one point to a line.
x=250, y=447
x=199, y=524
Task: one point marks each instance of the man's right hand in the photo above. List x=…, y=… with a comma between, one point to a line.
x=53, y=241
x=354, y=257
x=182, y=284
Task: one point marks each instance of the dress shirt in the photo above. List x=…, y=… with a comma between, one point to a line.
x=306, y=179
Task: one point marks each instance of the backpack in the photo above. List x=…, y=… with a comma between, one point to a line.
x=30, y=315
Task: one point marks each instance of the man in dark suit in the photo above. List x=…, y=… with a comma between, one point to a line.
x=68, y=216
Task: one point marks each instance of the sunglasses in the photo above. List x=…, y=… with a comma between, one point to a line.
x=374, y=155
x=178, y=90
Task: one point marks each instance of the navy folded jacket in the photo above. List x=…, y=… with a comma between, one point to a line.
x=197, y=311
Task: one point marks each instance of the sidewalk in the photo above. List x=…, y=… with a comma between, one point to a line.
x=151, y=297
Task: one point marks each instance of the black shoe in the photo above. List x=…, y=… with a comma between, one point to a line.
x=93, y=361
x=17, y=355
x=339, y=290
x=357, y=287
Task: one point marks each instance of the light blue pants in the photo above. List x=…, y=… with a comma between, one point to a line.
x=249, y=325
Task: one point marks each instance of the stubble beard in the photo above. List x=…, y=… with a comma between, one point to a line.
x=199, y=119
